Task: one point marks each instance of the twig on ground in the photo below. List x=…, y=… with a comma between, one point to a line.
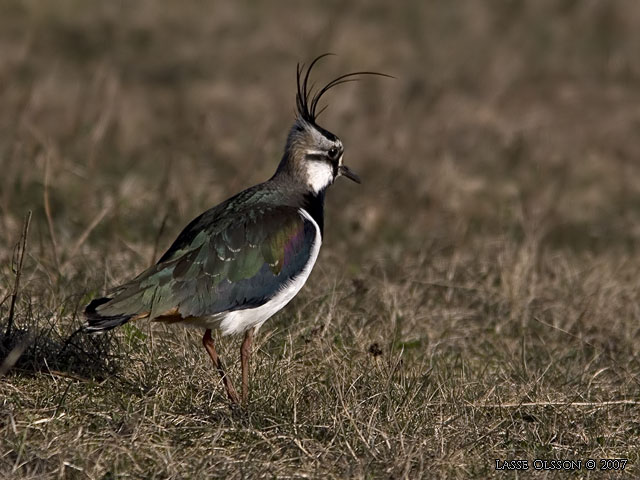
x=560, y=404
x=16, y=285
x=585, y=342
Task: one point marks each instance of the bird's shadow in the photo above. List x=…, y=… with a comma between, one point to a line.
x=34, y=346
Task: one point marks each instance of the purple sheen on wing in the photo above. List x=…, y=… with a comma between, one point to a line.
x=292, y=246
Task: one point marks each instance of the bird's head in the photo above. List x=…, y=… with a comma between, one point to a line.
x=313, y=155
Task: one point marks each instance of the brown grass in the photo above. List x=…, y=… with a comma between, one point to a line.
x=476, y=298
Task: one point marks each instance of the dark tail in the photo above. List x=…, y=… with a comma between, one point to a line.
x=102, y=323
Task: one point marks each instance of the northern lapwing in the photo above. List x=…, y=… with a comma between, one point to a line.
x=239, y=263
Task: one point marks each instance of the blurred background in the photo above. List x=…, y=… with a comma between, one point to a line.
x=496, y=230
x=504, y=116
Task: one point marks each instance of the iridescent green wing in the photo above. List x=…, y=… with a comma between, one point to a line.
x=218, y=265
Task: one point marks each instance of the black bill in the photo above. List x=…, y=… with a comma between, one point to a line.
x=346, y=172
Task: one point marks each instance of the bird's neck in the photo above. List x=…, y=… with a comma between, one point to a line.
x=287, y=181
x=312, y=176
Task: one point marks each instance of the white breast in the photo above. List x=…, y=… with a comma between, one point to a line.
x=241, y=320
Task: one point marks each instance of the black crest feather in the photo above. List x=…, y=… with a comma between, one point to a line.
x=307, y=100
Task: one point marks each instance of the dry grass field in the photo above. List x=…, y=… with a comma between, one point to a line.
x=476, y=298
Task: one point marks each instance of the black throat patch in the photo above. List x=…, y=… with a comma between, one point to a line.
x=314, y=205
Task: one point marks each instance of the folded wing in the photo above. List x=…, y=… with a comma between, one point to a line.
x=214, y=266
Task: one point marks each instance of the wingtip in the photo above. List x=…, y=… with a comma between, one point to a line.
x=97, y=323
x=90, y=309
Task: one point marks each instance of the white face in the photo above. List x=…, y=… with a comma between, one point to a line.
x=321, y=155
x=319, y=174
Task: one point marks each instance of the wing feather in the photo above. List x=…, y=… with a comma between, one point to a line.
x=223, y=266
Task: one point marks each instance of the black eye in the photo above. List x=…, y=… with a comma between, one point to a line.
x=333, y=153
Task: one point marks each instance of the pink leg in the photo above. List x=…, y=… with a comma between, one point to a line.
x=207, y=341
x=245, y=354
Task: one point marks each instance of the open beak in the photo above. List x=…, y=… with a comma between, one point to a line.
x=346, y=172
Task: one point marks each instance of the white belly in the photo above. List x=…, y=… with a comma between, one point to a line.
x=238, y=321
